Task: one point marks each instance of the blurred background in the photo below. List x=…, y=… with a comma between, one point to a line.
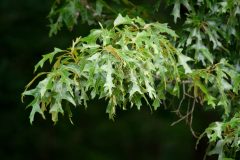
x=134, y=134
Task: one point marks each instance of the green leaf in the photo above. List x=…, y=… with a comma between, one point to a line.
x=135, y=87
x=163, y=28
x=92, y=37
x=66, y=81
x=94, y=57
x=121, y=20
x=150, y=90
x=109, y=79
x=69, y=112
x=136, y=99
x=201, y=86
x=206, y=54
x=236, y=83
x=156, y=103
x=225, y=103
x=55, y=109
x=45, y=85
x=35, y=104
x=202, y=50
x=211, y=101
x=213, y=37
x=226, y=86
x=99, y=7
x=176, y=8
x=182, y=60
x=218, y=149
x=176, y=11
x=111, y=109
x=214, y=131
x=46, y=57
x=69, y=14
x=64, y=90
x=33, y=92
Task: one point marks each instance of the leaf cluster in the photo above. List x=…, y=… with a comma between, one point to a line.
x=131, y=61
x=69, y=12
x=118, y=64
x=224, y=138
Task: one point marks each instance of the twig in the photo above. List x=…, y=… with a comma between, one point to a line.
x=191, y=119
x=179, y=120
x=180, y=104
x=188, y=108
x=188, y=117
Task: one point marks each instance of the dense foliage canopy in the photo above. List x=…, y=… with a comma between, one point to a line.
x=131, y=60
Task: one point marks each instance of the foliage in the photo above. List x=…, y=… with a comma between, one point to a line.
x=224, y=138
x=67, y=12
x=129, y=61
x=112, y=63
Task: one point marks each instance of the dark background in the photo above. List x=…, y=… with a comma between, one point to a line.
x=133, y=135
